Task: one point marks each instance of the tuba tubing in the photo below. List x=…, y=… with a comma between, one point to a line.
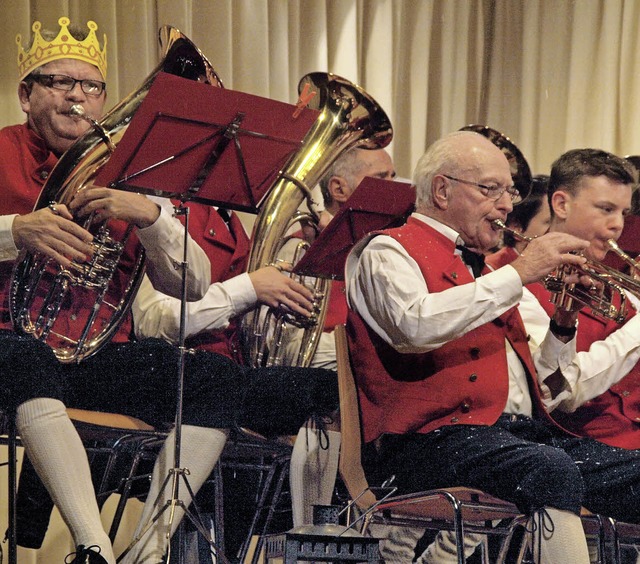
x=45, y=299
x=349, y=117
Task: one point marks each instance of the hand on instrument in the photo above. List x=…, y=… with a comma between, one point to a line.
x=278, y=290
x=547, y=252
x=107, y=203
x=52, y=232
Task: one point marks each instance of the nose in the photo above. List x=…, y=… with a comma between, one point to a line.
x=504, y=202
x=617, y=223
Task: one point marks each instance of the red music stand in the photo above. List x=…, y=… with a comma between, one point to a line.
x=193, y=142
x=216, y=146
x=375, y=204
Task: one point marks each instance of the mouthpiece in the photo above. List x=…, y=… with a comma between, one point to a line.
x=499, y=224
x=77, y=111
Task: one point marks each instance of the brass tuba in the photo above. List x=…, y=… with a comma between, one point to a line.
x=46, y=300
x=349, y=117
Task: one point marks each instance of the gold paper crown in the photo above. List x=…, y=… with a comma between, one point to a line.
x=64, y=46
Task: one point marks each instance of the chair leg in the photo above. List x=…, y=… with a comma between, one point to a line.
x=12, y=467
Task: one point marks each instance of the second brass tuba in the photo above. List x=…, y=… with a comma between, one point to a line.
x=46, y=300
x=349, y=117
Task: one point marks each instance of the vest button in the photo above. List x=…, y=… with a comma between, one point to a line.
x=212, y=232
x=454, y=420
x=232, y=268
x=474, y=352
x=465, y=407
x=44, y=174
x=454, y=275
x=473, y=378
x=626, y=393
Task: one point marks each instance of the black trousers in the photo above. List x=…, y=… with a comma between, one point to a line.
x=140, y=378
x=522, y=460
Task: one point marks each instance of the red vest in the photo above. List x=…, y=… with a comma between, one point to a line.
x=504, y=256
x=228, y=251
x=463, y=382
x=337, y=307
x=613, y=417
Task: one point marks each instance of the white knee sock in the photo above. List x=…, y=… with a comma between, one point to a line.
x=313, y=472
x=58, y=456
x=561, y=541
x=199, y=453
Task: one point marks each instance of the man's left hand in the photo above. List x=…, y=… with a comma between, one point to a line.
x=110, y=203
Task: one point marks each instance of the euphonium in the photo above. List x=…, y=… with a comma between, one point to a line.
x=609, y=285
x=349, y=117
x=48, y=301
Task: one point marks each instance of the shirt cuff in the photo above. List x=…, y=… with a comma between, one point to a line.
x=242, y=293
x=8, y=250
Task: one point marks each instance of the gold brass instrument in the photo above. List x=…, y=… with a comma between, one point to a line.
x=49, y=301
x=348, y=118
x=600, y=297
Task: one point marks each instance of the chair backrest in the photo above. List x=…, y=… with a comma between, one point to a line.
x=350, y=464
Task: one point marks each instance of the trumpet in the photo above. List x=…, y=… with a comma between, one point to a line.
x=607, y=298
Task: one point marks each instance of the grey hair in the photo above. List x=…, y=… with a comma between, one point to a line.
x=441, y=156
x=348, y=166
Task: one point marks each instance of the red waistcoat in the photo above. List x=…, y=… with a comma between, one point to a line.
x=504, y=256
x=614, y=416
x=463, y=382
x=228, y=250
x=337, y=307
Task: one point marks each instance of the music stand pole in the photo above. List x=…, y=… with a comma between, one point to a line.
x=177, y=472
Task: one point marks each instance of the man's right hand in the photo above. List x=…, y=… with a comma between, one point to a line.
x=546, y=253
x=53, y=234
x=275, y=289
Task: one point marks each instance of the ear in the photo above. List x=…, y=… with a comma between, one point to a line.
x=561, y=204
x=440, y=191
x=23, y=96
x=339, y=189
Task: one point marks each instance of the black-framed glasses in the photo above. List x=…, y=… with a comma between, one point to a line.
x=67, y=83
x=491, y=192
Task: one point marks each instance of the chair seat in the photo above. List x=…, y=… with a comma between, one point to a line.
x=475, y=505
x=104, y=419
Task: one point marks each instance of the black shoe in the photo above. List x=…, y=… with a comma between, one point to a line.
x=85, y=555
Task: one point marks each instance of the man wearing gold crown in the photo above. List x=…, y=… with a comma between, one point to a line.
x=57, y=72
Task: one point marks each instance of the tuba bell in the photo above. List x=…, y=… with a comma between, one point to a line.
x=349, y=117
x=46, y=300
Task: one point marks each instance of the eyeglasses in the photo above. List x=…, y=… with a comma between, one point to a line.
x=492, y=192
x=67, y=83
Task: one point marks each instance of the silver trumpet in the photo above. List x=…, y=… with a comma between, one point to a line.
x=606, y=297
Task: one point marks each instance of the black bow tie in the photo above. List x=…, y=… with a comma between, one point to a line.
x=474, y=260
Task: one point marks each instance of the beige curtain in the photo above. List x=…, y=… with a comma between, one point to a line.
x=551, y=74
